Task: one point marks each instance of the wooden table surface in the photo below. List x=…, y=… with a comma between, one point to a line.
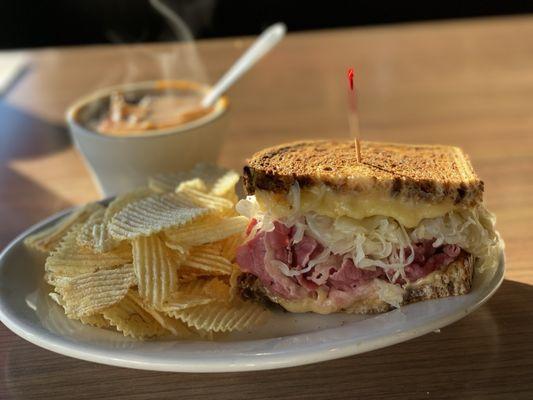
x=467, y=83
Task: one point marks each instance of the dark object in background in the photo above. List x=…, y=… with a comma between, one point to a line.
x=28, y=23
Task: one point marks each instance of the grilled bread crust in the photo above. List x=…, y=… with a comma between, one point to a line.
x=432, y=173
x=454, y=280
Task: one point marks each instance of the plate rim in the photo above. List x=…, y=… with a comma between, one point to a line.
x=91, y=352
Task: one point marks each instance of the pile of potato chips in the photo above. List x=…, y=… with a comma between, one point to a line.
x=157, y=261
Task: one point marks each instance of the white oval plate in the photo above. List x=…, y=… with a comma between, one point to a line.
x=286, y=340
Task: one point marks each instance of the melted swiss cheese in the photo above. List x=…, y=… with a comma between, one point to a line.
x=325, y=201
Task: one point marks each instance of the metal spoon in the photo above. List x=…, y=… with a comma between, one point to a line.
x=263, y=44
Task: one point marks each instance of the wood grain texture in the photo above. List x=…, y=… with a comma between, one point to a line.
x=467, y=83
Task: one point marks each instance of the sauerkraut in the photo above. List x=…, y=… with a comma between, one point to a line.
x=379, y=241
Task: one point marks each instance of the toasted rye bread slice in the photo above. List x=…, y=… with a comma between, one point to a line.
x=454, y=280
x=433, y=173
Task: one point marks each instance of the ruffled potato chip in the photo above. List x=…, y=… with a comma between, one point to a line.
x=48, y=239
x=215, y=203
x=225, y=186
x=156, y=261
x=153, y=214
x=71, y=259
x=120, y=202
x=103, y=241
x=156, y=270
x=174, y=326
x=230, y=244
x=182, y=301
x=96, y=320
x=234, y=283
x=207, y=260
x=85, y=236
x=208, y=173
x=133, y=320
x=206, y=230
x=196, y=184
x=222, y=317
x=94, y=235
x=87, y=294
x=196, y=293
x=218, y=290
x=186, y=275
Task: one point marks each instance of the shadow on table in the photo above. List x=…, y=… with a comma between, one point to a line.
x=24, y=202
x=484, y=354
x=23, y=135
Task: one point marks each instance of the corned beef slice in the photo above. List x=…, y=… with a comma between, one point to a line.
x=337, y=273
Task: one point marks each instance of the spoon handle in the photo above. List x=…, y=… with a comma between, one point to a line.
x=264, y=43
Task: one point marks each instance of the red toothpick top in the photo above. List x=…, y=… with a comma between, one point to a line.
x=350, y=77
x=353, y=118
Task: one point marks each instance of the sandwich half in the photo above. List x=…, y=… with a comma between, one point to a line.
x=328, y=234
